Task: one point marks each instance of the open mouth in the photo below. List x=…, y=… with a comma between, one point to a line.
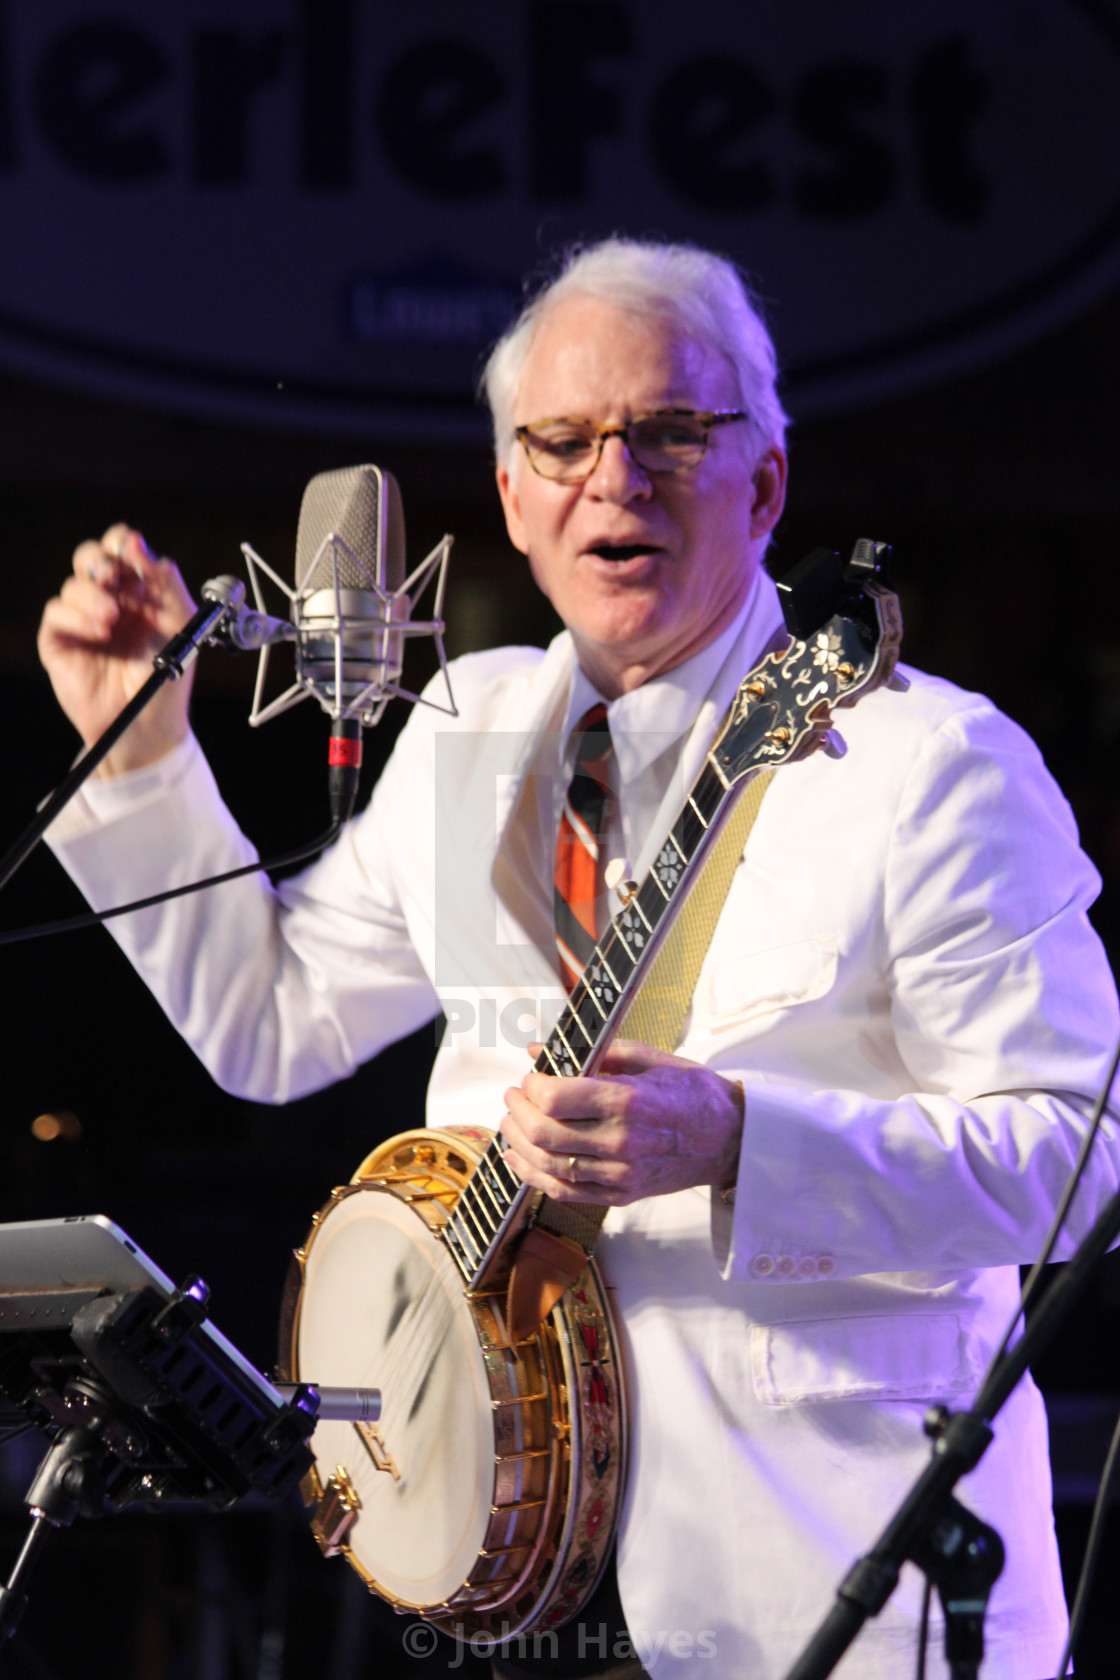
x=619, y=552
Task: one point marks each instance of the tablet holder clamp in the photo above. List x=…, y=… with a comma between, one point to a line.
x=140, y=1409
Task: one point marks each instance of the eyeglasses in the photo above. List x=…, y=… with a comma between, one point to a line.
x=670, y=441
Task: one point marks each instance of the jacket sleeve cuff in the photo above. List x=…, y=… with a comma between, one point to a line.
x=743, y=1249
x=105, y=800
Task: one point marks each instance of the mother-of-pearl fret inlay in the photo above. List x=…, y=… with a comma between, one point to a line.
x=633, y=930
x=668, y=867
x=772, y=719
x=560, y=1061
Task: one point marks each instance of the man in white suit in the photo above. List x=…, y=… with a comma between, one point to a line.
x=819, y=1203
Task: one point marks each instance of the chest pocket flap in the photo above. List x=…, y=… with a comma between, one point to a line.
x=773, y=979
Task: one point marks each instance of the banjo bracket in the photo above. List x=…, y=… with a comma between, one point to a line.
x=336, y=1512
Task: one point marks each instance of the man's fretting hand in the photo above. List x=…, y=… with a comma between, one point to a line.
x=645, y=1124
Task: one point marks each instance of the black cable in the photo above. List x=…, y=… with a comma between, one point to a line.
x=1092, y=1550
x=1030, y=1288
x=1029, y=1291
x=966, y=1435
x=923, y=1631
x=93, y=917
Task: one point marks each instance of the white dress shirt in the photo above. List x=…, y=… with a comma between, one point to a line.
x=906, y=983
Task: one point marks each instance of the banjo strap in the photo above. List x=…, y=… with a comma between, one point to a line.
x=554, y=1252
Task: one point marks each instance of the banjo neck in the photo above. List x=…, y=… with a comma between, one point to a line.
x=845, y=629
x=494, y=1202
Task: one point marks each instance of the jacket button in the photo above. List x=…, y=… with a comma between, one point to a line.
x=807, y=1267
x=786, y=1266
x=761, y=1266
x=826, y=1265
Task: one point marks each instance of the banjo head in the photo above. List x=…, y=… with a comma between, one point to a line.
x=382, y=1307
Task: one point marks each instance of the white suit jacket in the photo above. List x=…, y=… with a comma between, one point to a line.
x=904, y=980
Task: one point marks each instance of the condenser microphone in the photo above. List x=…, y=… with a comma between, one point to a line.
x=350, y=600
x=350, y=611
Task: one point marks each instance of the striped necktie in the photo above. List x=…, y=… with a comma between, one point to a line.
x=583, y=824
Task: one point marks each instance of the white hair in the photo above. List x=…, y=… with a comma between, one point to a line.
x=704, y=294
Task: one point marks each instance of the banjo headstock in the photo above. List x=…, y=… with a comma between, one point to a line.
x=845, y=627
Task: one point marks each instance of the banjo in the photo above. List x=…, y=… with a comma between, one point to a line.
x=486, y=1497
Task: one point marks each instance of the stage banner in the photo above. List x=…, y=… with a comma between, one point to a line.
x=318, y=213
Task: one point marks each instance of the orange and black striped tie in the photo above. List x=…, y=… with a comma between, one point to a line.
x=583, y=825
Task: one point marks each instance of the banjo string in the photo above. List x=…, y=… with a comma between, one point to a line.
x=410, y=1350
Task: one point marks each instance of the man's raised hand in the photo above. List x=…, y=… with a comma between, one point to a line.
x=98, y=638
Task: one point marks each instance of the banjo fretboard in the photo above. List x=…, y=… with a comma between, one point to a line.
x=589, y=1020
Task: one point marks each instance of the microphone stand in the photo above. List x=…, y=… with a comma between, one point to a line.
x=167, y=666
x=960, y=1555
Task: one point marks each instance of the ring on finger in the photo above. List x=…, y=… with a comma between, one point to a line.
x=572, y=1169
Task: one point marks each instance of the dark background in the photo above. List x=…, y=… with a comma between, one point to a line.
x=1000, y=494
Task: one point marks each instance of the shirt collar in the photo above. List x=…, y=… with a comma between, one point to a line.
x=648, y=720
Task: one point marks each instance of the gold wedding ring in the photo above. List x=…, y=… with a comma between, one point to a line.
x=572, y=1159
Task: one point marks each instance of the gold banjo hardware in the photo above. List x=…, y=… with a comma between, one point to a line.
x=335, y=1512
x=559, y=1444
x=555, y=1441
